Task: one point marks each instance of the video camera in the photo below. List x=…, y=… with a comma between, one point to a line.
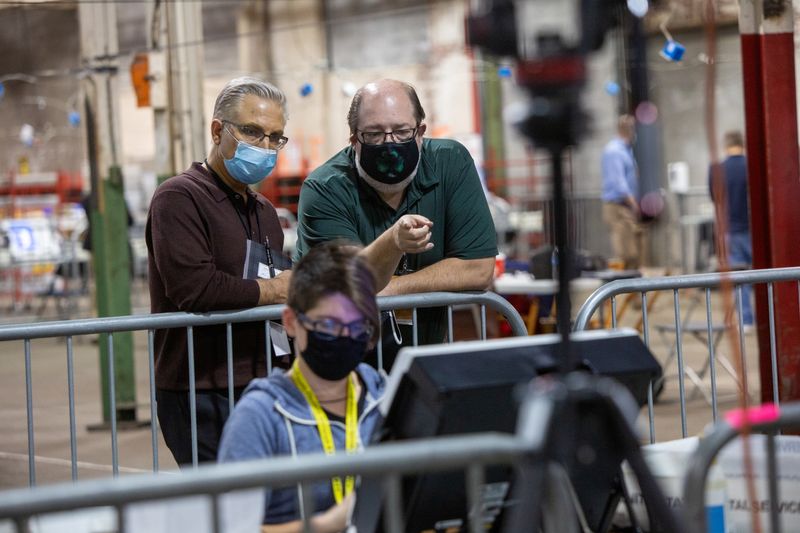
x=550, y=64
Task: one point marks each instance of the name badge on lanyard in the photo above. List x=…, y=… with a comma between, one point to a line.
x=258, y=262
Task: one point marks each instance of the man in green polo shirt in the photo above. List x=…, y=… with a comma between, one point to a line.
x=416, y=204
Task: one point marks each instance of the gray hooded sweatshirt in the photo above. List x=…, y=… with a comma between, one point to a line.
x=273, y=418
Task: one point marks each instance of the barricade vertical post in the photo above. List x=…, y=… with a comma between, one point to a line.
x=229, y=346
x=711, y=356
x=645, y=321
x=475, y=480
x=414, y=327
x=740, y=334
x=153, y=404
x=29, y=410
x=216, y=517
x=122, y=527
x=268, y=342
x=650, y=415
x=393, y=517
x=192, y=394
x=73, y=440
x=743, y=364
x=613, y=312
x=679, y=343
x=112, y=400
x=773, y=352
x=308, y=507
x=379, y=347
x=772, y=480
x=22, y=525
x=450, y=323
x=650, y=401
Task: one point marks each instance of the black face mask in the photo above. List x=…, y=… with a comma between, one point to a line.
x=333, y=358
x=389, y=163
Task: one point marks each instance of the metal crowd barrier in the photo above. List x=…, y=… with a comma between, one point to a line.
x=787, y=416
x=386, y=461
x=539, y=443
x=596, y=302
x=150, y=323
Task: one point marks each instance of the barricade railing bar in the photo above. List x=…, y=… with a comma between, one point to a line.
x=68, y=329
x=385, y=461
x=705, y=282
x=769, y=420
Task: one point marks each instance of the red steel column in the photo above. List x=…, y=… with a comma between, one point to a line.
x=768, y=70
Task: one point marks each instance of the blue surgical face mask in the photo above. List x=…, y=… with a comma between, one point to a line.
x=250, y=164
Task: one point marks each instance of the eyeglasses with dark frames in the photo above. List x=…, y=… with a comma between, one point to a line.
x=331, y=328
x=255, y=135
x=379, y=137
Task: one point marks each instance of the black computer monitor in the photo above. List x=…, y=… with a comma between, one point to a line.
x=469, y=387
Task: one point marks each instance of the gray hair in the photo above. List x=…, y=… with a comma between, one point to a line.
x=235, y=90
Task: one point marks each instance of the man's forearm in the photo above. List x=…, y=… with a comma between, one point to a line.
x=383, y=256
x=449, y=274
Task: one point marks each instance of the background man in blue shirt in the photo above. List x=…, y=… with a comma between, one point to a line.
x=733, y=192
x=620, y=190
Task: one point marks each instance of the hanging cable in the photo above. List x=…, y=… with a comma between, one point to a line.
x=726, y=286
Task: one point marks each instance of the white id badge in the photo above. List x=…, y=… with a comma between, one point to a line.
x=280, y=340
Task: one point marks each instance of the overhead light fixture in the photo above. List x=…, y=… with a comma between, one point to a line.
x=672, y=50
x=638, y=7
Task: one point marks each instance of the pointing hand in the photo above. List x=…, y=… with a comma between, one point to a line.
x=412, y=234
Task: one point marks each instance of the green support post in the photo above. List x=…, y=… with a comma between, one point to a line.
x=111, y=254
x=491, y=104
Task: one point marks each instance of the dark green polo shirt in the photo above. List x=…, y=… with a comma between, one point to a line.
x=336, y=204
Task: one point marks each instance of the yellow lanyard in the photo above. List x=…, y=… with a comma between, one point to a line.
x=324, y=426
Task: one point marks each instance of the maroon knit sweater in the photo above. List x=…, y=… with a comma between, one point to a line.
x=196, y=245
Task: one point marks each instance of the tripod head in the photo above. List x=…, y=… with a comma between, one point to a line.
x=551, y=66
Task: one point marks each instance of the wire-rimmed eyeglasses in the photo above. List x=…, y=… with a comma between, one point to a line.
x=255, y=135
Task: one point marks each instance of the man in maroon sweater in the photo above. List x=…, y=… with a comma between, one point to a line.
x=201, y=225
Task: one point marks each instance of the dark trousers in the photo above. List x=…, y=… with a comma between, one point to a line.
x=175, y=421
x=388, y=354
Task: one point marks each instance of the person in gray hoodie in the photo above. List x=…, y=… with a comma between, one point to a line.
x=328, y=400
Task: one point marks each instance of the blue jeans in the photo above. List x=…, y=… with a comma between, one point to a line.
x=740, y=253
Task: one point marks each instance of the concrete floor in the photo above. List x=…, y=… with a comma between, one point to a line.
x=51, y=415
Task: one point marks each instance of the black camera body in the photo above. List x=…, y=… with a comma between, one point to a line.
x=552, y=69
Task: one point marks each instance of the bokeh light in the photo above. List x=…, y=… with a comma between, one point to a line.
x=646, y=113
